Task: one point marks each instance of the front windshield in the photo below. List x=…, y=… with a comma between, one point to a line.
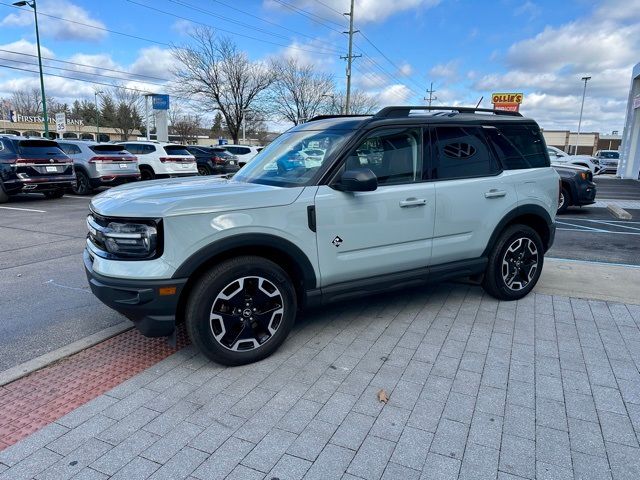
x=610, y=155
x=292, y=159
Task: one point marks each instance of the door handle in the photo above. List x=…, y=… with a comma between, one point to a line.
x=493, y=193
x=413, y=202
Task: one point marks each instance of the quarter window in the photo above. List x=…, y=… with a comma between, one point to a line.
x=460, y=152
x=393, y=155
x=70, y=148
x=519, y=146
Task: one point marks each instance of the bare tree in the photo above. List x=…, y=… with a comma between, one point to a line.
x=185, y=125
x=214, y=70
x=361, y=103
x=299, y=91
x=27, y=101
x=120, y=110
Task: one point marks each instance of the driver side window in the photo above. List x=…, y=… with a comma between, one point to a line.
x=394, y=156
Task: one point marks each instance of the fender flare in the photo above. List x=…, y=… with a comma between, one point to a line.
x=536, y=210
x=254, y=240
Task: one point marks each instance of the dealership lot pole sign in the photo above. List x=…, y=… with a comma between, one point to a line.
x=507, y=101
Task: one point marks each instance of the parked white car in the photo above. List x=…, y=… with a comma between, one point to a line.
x=563, y=158
x=608, y=160
x=161, y=160
x=243, y=152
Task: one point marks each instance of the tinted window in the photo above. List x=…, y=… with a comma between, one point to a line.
x=614, y=155
x=176, y=150
x=460, y=152
x=108, y=148
x=132, y=148
x=393, y=155
x=518, y=146
x=70, y=148
x=38, y=148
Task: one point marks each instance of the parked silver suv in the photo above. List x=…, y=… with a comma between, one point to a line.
x=397, y=199
x=99, y=164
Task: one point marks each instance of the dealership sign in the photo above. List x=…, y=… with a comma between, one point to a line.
x=38, y=119
x=507, y=101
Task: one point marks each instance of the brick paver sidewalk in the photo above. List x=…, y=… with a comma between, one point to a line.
x=547, y=387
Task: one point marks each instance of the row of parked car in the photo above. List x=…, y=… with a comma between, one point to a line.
x=52, y=167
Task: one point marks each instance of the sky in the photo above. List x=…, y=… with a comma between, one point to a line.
x=467, y=48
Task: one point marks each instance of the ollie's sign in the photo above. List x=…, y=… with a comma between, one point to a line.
x=507, y=101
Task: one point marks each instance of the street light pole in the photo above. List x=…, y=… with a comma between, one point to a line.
x=584, y=93
x=33, y=5
x=97, y=114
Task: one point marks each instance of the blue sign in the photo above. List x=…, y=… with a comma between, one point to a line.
x=160, y=102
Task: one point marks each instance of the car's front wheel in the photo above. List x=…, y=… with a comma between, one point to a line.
x=515, y=263
x=241, y=310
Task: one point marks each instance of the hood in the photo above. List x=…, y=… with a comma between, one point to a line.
x=190, y=195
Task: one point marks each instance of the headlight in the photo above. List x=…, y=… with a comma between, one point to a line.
x=124, y=239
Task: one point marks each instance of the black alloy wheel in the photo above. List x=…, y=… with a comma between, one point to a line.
x=82, y=185
x=146, y=173
x=203, y=170
x=241, y=310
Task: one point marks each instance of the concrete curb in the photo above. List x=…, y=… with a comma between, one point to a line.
x=619, y=213
x=19, y=371
x=590, y=280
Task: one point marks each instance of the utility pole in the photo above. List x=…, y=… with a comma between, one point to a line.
x=431, y=97
x=349, y=57
x=584, y=93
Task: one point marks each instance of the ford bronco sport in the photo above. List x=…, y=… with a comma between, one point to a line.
x=406, y=196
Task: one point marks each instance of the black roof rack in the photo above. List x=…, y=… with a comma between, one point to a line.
x=322, y=117
x=403, y=111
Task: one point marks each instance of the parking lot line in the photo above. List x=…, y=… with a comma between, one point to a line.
x=24, y=209
x=77, y=197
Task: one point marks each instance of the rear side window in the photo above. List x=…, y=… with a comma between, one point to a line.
x=69, y=148
x=176, y=150
x=460, y=152
x=108, y=148
x=38, y=148
x=518, y=146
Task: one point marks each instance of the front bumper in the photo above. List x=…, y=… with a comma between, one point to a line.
x=153, y=314
x=585, y=193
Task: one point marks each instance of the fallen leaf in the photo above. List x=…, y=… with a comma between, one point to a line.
x=382, y=396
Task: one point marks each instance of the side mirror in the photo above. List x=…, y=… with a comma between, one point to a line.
x=358, y=180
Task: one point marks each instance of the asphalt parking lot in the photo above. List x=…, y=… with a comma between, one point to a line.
x=47, y=304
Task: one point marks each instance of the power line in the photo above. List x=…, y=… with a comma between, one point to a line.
x=164, y=12
x=87, y=66
x=312, y=16
x=330, y=7
x=81, y=73
x=91, y=26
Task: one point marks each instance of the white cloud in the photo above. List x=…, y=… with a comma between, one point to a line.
x=395, y=94
x=445, y=71
x=365, y=11
x=154, y=61
x=528, y=9
x=58, y=29
x=182, y=27
x=24, y=47
x=406, y=69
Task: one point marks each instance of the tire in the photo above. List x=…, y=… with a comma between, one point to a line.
x=265, y=286
x=565, y=200
x=204, y=170
x=53, y=194
x=147, y=173
x=4, y=196
x=501, y=276
x=82, y=185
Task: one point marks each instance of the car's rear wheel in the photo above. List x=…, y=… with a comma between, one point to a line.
x=203, y=170
x=241, y=310
x=52, y=194
x=515, y=263
x=82, y=185
x=147, y=173
x=564, y=200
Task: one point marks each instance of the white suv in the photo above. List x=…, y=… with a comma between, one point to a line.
x=243, y=152
x=398, y=199
x=158, y=159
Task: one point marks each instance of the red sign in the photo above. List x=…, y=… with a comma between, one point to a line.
x=510, y=107
x=507, y=101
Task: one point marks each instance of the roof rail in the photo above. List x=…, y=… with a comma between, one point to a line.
x=404, y=111
x=322, y=117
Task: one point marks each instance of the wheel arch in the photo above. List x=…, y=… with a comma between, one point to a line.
x=282, y=252
x=533, y=216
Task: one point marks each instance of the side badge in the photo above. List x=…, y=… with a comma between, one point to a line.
x=337, y=241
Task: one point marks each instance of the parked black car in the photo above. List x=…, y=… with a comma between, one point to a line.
x=33, y=165
x=577, y=186
x=214, y=160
